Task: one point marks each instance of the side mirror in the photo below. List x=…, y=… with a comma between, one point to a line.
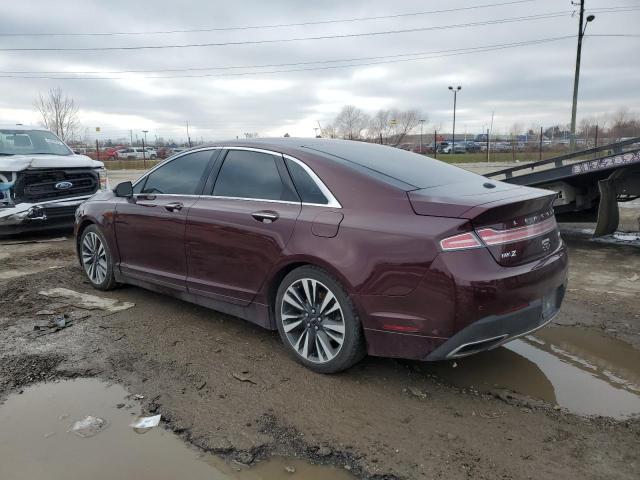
x=124, y=189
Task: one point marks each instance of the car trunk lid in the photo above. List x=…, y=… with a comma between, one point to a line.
x=516, y=224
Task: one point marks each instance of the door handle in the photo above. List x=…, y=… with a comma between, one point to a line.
x=174, y=206
x=265, y=217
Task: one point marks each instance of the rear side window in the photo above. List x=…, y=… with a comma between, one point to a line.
x=247, y=174
x=307, y=189
x=181, y=176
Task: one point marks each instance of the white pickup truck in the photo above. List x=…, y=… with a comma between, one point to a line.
x=42, y=181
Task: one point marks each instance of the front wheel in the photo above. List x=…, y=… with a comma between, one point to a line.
x=96, y=258
x=317, y=321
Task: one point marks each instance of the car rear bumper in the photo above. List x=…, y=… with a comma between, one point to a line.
x=39, y=216
x=464, y=304
x=495, y=330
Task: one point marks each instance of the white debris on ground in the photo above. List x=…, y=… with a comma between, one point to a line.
x=86, y=301
x=146, y=422
x=88, y=426
x=627, y=236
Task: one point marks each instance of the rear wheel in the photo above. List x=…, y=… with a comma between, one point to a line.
x=317, y=321
x=96, y=259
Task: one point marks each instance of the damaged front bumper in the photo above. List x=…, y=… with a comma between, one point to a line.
x=37, y=216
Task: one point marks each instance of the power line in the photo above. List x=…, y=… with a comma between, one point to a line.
x=431, y=55
x=278, y=25
x=455, y=52
x=292, y=64
x=543, y=16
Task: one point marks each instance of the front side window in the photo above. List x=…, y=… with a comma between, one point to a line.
x=248, y=174
x=181, y=176
x=307, y=188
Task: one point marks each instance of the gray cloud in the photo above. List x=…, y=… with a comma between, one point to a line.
x=529, y=84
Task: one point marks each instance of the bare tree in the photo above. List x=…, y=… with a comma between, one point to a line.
x=350, y=122
x=59, y=113
x=379, y=126
x=624, y=123
x=329, y=131
x=403, y=122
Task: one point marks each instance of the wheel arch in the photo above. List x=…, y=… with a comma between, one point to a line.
x=81, y=228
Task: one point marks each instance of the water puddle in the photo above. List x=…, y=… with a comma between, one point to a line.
x=36, y=442
x=584, y=371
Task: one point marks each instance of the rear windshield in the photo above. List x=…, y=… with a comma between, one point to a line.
x=410, y=168
x=30, y=142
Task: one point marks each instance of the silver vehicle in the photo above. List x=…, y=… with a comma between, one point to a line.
x=137, y=153
x=42, y=181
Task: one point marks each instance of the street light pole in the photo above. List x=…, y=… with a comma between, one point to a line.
x=421, y=126
x=455, y=97
x=582, y=27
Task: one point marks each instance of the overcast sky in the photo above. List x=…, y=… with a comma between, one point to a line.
x=530, y=84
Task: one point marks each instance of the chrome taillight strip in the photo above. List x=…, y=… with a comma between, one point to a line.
x=492, y=237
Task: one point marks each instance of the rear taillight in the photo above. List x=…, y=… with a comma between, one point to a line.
x=462, y=241
x=492, y=237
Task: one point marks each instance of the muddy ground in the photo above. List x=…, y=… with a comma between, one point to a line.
x=229, y=387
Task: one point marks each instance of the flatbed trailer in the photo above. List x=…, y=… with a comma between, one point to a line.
x=588, y=189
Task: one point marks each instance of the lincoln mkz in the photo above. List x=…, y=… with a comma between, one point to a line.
x=346, y=248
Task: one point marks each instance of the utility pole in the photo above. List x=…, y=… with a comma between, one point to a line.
x=144, y=148
x=540, y=157
x=582, y=27
x=421, y=126
x=455, y=97
x=487, y=145
x=435, y=144
x=188, y=137
x=489, y=132
x=131, y=135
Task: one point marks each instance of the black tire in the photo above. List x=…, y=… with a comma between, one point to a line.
x=352, y=349
x=109, y=281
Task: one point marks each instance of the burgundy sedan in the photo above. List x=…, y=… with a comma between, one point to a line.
x=346, y=248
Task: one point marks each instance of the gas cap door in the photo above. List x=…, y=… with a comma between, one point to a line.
x=326, y=224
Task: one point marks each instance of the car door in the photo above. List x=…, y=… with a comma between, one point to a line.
x=150, y=227
x=236, y=234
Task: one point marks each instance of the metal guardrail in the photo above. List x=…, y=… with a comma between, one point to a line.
x=559, y=160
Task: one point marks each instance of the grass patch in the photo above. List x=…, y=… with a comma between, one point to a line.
x=130, y=164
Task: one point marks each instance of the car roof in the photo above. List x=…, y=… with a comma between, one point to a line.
x=400, y=167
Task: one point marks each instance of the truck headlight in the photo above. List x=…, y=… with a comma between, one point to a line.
x=104, y=179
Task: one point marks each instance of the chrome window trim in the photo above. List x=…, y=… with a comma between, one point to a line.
x=136, y=195
x=248, y=199
x=333, y=201
x=171, y=159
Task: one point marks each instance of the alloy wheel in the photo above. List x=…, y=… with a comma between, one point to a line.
x=312, y=320
x=94, y=258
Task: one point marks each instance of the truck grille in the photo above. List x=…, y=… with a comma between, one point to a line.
x=38, y=186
